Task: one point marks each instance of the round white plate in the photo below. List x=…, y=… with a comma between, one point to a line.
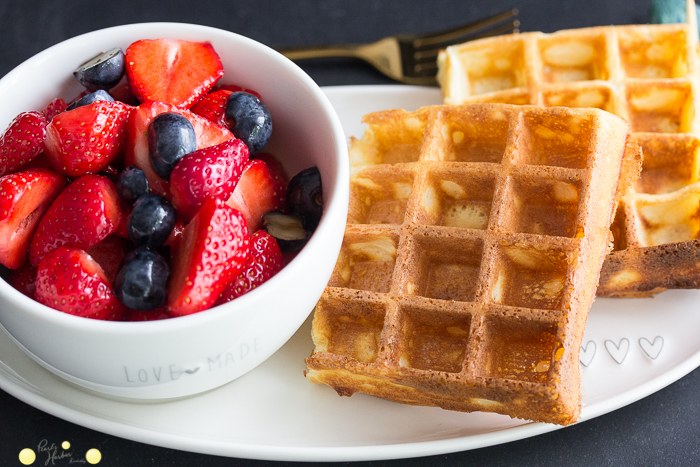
x=632, y=348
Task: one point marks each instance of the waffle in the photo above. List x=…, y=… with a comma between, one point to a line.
x=646, y=74
x=471, y=256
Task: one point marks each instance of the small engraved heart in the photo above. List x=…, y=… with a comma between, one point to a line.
x=587, y=353
x=618, y=351
x=191, y=372
x=652, y=349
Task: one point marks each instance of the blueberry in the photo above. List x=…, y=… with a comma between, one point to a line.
x=305, y=197
x=287, y=229
x=151, y=221
x=88, y=99
x=141, y=282
x=250, y=120
x=103, y=71
x=170, y=138
x=132, y=184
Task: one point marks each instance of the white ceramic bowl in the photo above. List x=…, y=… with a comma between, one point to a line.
x=187, y=355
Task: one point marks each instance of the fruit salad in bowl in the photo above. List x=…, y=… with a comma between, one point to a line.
x=174, y=200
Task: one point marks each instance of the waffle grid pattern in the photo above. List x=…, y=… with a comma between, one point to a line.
x=646, y=74
x=475, y=236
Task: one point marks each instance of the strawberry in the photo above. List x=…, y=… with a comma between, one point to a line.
x=122, y=93
x=24, y=279
x=70, y=280
x=109, y=253
x=213, y=107
x=264, y=261
x=121, y=230
x=86, y=139
x=212, y=252
x=234, y=88
x=24, y=198
x=175, y=239
x=39, y=162
x=208, y=134
x=174, y=71
x=207, y=173
x=22, y=141
x=54, y=108
x=279, y=176
x=255, y=194
x=85, y=213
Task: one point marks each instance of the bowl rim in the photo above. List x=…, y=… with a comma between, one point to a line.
x=338, y=199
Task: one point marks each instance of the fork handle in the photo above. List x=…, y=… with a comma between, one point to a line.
x=321, y=51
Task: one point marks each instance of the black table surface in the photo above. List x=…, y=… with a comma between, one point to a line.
x=661, y=429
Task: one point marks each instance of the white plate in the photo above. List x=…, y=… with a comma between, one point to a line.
x=632, y=348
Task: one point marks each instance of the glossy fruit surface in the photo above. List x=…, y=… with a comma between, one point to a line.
x=250, y=120
x=254, y=195
x=22, y=141
x=287, y=229
x=132, y=183
x=70, y=280
x=151, y=221
x=170, y=138
x=99, y=95
x=141, y=282
x=103, y=71
x=305, y=197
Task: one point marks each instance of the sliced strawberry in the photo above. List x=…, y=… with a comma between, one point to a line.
x=85, y=213
x=24, y=198
x=234, y=88
x=86, y=139
x=175, y=239
x=121, y=230
x=255, y=194
x=264, y=261
x=207, y=173
x=70, y=280
x=22, y=141
x=54, y=108
x=213, y=251
x=208, y=134
x=150, y=315
x=109, y=253
x=24, y=279
x=278, y=175
x=213, y=107
x=173, y=71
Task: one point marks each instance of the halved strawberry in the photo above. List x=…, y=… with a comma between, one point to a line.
x=54, y=108
x=70, y=280
x=207, y=173
x=109, y=253
x=264, y=261
x=24, y=279
x=213, y=107
x=255, y=194
x=22, y=141
x=208, y=134
x=278, y=175
x=86, y=139
x=24, y=198
x=85, y=213
x=174, y=71
x=212, y=252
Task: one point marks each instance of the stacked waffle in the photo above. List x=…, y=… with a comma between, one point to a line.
x=474, y=243
x=647, y=75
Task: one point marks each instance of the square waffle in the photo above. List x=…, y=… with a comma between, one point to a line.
x=471, y=257
x=646, y=74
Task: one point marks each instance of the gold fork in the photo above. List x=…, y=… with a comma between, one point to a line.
x=411, y=58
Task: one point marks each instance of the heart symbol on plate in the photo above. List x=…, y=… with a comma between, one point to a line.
x=618, y=351
x=587, y=353
x=652, y=349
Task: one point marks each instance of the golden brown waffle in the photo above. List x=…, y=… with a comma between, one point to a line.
x=646, y=74
x=472, y=253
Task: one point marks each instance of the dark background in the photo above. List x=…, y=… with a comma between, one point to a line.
x=662, y=429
